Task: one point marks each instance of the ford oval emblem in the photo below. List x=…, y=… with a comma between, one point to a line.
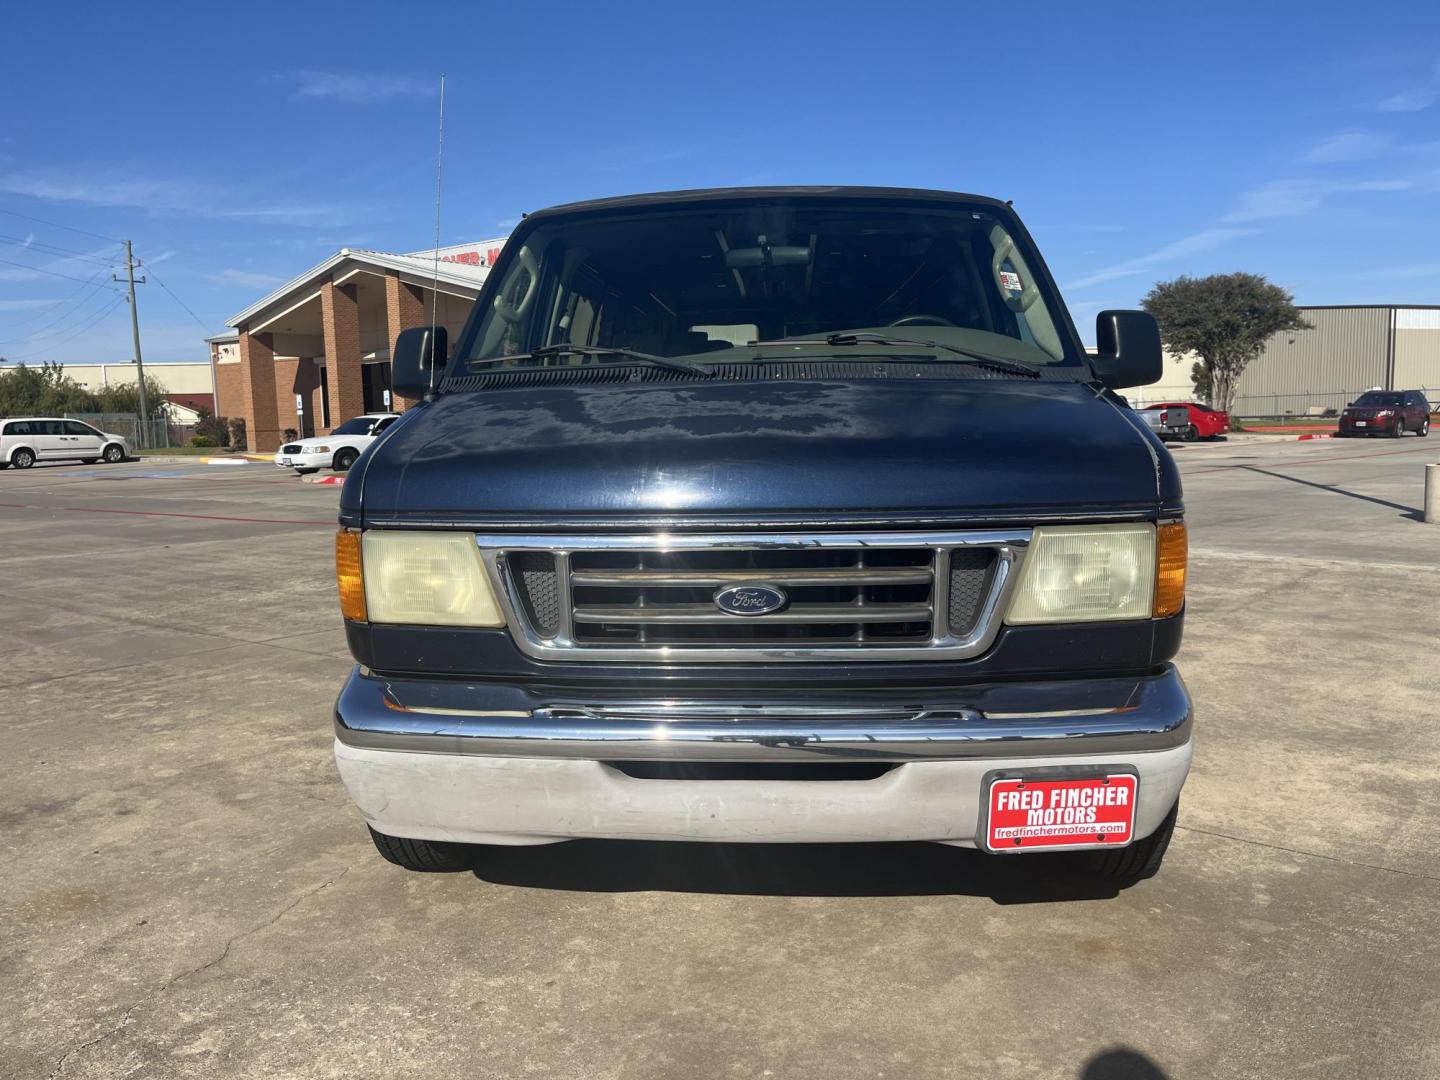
x=750, y=599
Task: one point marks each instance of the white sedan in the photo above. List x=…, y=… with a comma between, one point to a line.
x=339, y=449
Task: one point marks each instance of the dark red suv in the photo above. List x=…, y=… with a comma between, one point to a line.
x=1386, y=412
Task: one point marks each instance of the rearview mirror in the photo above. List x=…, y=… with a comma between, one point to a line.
x=417, y=360
x=1128, y=349
x=766, y=255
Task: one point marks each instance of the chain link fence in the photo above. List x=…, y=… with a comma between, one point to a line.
x=157, y=434
x=1319, y=404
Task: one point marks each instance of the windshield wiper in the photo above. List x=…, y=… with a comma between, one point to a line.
x=979, y=359
x=566, y=349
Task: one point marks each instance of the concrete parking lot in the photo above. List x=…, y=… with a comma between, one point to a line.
x=188, y=892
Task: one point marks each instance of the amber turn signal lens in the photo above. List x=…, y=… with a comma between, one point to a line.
x=348, y=575
x=1172, y=552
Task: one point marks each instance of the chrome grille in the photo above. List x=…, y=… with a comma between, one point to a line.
x=833, y=596
x=861, y=596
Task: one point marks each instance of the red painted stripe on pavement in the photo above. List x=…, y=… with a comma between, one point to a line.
x=1286, y=429
x=166, y=514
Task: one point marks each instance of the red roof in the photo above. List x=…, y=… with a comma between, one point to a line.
x=193, y=401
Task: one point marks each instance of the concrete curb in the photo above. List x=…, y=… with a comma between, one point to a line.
x=322, y=480
x=1306, y=438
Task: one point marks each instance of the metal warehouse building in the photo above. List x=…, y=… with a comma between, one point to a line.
x=1350, y=349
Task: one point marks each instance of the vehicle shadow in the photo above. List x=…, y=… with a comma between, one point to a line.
x=1122, y=1063
x=1411, y=512
x=838, y=870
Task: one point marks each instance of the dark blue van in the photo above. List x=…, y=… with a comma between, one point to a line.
x=768, y=514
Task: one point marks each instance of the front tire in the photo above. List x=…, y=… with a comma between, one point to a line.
x=114, y=454
x=1424, y=428
x=1191, y=433
x=343, y=460
x=424, y=856
x=1138, y=861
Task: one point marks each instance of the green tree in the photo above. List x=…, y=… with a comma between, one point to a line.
x=1200, y=376
x=125, y=397
x=1225, y=319
x=45, y=390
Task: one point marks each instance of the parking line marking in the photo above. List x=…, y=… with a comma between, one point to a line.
x=1312, y=461
x=166, y=514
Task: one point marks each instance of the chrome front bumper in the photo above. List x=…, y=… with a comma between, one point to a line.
x=996, y=720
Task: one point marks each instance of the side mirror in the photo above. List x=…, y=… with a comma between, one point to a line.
x=1128, y=349
x=417, y=360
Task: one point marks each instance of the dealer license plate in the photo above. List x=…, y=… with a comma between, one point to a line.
x=283, y=460
x=1038, y=813
x=1360, y=423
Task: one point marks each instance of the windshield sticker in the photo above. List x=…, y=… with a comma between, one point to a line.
x=1010, y=281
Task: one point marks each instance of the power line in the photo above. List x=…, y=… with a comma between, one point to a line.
x=78, y=331
x=177, y=299
x=95, y=290
x=57, y=225
x=51, y=249
x=41, y=312
x=42, y=270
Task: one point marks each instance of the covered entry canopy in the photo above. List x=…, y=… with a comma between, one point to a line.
x=316, y=351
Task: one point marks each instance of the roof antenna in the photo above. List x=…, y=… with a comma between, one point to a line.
x=435, y=283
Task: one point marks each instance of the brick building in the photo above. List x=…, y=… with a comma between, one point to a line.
x=316, y=351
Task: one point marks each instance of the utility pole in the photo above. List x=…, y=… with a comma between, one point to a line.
x=130, y=265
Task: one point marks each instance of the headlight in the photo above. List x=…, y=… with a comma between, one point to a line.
x=1086, y=574
x=426, y=579
x=315, y=450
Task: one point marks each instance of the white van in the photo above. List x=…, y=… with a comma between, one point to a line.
x=26, y=440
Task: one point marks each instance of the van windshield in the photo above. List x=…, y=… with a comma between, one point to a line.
x=709, y=284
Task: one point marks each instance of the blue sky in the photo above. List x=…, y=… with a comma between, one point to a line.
x=239, y=145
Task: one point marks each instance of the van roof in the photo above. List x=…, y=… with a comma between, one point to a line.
x=747, y=194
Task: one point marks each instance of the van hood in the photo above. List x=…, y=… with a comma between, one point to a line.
x=907, y=449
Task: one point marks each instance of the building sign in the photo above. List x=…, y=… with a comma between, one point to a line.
x=473, y=258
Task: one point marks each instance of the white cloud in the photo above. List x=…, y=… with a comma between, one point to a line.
x=1410, y=100
x=159, y=195
x=1194, y=244
x=1348, y=146
x=245, y=279
x=1416, y=98
x=352, y=89
x=1296, y=198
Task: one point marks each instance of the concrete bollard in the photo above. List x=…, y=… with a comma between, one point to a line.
x=1432, y=494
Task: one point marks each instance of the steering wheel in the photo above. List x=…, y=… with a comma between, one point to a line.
x=922, y=320
x=513, y=313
